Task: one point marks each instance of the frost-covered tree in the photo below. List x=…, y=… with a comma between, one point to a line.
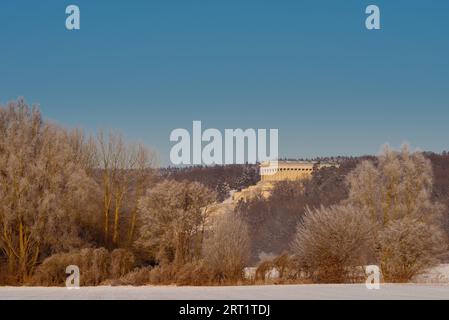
x=44, y=188
x=142, y=173
x=399, y=186
x=392, y=196
x=173, y=216
x=397, y=196
x=227, y=247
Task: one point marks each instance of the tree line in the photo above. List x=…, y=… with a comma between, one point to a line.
x=101, y=203
x=390, y=210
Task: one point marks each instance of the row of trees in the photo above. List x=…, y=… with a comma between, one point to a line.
x=100, y=203
x=389, y=210
x=67, y=198
x=386, y=215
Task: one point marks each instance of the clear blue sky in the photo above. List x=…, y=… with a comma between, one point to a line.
x=309, y=68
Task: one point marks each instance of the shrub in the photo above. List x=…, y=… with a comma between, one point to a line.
x=137, y=277
x=284, y=267
x=331, y=241
x=284, y=264
x=52, y=271
x=263, y=269
x=98, y=269
x=163, y=274
x=122, y=262
x=96, y=266
x=195, y=274
x=408, y=247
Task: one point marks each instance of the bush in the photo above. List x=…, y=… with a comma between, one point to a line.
x=408, y=247
x=52, y=271
x=96, y=266
x=283, y=266
x=263, y=269
x=163, y=274
x=137, y=277
x=122, y=262
x=330, y=242
x=195, y=274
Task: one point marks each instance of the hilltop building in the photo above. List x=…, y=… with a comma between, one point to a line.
x=272, y=172
x=290, y=170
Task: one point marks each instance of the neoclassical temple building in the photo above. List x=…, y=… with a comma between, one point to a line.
x=272, y=172
x=289, y=170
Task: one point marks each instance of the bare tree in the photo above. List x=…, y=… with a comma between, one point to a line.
x=122, y=166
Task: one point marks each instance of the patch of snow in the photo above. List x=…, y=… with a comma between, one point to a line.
x=438, y=274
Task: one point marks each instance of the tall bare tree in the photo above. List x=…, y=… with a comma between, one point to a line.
x=124, y=167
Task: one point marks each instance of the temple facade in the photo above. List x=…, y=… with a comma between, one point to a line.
x=290, y=170
x=272, y=172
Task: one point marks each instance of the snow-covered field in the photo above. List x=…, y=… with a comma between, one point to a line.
x=433, y=284
x=289, y=292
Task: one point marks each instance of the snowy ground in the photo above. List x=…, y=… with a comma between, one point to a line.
x=289, y=292
x=433, y=284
